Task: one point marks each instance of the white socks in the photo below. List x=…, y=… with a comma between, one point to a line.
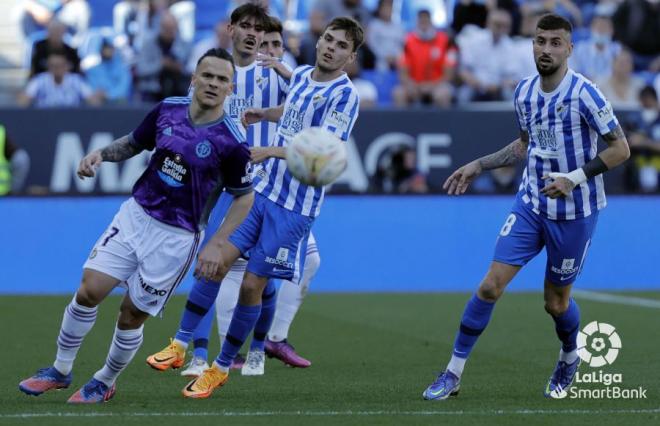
x=456, y=365
x=568, y=357
x=226, y=300
x=76, y=323
x=290, y=297
x=125, y=343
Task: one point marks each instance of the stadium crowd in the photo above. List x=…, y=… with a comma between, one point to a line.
x=431, y=53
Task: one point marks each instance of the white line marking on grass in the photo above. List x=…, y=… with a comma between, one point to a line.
x=328, y=413
x=618, y=299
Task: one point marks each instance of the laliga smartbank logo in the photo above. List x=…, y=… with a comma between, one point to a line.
x=598, y=345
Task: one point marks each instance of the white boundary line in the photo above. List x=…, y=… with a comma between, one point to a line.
x=617, y=299
x=329, y=413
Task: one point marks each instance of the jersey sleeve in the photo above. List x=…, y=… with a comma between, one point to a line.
x=144, y=136
x=597, y=110
x=342, y=113
x=236, y=170
x=282, y=83
x=520, y=116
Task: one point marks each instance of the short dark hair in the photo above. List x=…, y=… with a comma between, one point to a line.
x=274, y=25
x=251, y=10
x=552, y=21
x=353, y=29
x=648, y=91
x=421, y=12
x=218, y=52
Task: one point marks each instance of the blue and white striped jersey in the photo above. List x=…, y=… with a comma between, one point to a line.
x=563, y=128
x=256, y=87
x=332, y=105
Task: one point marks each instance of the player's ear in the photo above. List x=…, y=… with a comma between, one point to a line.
x=352, y=57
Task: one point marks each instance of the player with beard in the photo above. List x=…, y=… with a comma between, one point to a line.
x=560, y=115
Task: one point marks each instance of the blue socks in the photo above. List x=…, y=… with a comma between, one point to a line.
x=201, y=335
x=242, y=323
x=567, y=326
x=261, y=328
x=475, y=319
x=200, y=300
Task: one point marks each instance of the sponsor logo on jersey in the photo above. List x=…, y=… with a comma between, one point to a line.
x=93, y=254
x=292, y=122
x=546, y=138
x=281, y=259
x=238, y=105
x=248, y=173
x=567, y=267
x=167, y=131
x=338, y=119
x=173, y=171
x=203, y=149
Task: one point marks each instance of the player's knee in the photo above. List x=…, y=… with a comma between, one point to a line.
x=556, y=307
x=130, y=317
x=489, y=290
x=313, y=262
x=86, y=296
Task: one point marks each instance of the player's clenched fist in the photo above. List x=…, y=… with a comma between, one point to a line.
x=459, y=181
x=89, y=164
x=251, y=116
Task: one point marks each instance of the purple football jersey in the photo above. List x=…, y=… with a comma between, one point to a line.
x=190, y=166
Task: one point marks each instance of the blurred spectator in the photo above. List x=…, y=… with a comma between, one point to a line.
x=332, y=8
x=367, y=90
x=645, y=143
x=220, y=38
x=53, y=43
x=136, y=20
x=427, y=66
x=306, y=54
x=14, y=165
x=486, y=67
x=76, y=15
x=565, y=8
x=35, y=15
x=623, y=87
x=522, y=56
x=469, y=12
x=637, y=25
x=400, y=173
x=594, y=56
x=160, y=67
x=57, y=87
x=384, y=37
x=111, y=78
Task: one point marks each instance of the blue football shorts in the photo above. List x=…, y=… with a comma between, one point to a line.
x=525, y=233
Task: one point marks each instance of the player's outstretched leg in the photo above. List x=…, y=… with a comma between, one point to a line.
x=289, y=298
x=198, y=363
x=243, y=321
x=476, y=316
x=78, y=319
x=567, y=325
x=200, y=300
x=126, y=341
x=255, y=362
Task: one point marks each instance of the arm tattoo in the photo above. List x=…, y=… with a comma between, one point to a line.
x=509, y=155
x=119, y=150
x=615, y=134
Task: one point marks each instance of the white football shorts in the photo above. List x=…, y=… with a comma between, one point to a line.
x=149, y=257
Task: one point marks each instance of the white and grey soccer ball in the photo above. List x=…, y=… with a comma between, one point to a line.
x=316, y=157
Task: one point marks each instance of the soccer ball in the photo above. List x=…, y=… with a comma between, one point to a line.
x=316, y=157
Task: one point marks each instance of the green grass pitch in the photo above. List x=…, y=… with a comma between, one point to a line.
x=372, y=354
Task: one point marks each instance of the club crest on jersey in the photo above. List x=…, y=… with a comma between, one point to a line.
x=317, y=99
x=562, y=109
x=262, y=82
x=203, y=149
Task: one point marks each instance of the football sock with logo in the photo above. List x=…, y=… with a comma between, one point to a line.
x=242, y=323
x=201, y=336
x=76, y=323
x=124, y=346
x=268, y=301
x=567, y=326
x=475, y=319
x=289, y=298
x=200, y=300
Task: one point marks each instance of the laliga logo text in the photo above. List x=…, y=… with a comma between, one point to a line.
x=598, y=345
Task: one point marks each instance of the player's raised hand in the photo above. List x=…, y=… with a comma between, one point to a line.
x=460, y=180
x=251, y=116
x=89, y=164
x=267, y=61
x=560, y=186
x=208, y=262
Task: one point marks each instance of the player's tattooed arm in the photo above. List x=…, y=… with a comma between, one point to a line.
x=120, y=150
x=511, y=154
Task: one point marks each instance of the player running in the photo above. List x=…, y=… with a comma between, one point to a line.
x=276, y=230
x=152, y=240
x=560, y=114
